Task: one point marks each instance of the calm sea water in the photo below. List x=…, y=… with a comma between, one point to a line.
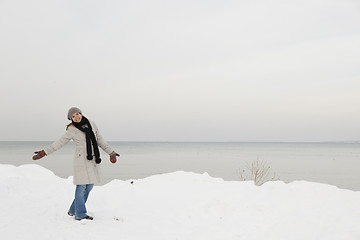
x=332, y=163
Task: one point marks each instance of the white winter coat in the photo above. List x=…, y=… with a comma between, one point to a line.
x=85, y=171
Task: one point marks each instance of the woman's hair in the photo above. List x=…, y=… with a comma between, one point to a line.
x=70, y=124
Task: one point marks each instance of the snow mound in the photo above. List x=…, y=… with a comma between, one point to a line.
x=179, y=205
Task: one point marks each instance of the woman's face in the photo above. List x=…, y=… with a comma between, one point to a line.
x=76, y=117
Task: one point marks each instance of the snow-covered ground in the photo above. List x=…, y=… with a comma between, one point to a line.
x=179, y=205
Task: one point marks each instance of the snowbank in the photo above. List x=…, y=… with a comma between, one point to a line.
x=179, y=205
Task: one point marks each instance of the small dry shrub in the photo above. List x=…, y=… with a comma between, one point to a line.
x=259, y=172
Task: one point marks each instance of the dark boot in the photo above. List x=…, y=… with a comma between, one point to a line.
x=87, y=218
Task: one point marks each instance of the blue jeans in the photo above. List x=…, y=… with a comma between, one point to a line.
x=78, y=205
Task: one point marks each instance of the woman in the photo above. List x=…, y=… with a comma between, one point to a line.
x=87, y=138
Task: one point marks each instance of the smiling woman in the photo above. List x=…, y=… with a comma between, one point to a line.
x=87, y=138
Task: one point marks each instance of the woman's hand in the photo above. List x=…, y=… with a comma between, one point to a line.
x=39, y=155
x=113, y=157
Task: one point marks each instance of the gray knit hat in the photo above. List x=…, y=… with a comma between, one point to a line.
x=72, y=111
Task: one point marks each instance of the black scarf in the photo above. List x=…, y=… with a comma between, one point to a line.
x=85, y=126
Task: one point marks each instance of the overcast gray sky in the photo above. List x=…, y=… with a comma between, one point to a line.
x=189, y=70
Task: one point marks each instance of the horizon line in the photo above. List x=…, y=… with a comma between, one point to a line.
x=199, y=141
